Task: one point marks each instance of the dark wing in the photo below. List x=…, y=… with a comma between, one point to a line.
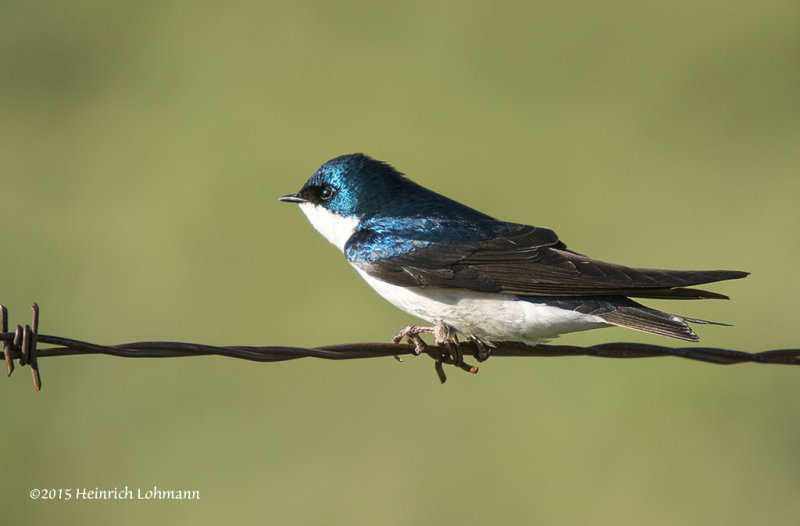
x=517, y=259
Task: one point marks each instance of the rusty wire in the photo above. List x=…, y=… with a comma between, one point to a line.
x=22, y=345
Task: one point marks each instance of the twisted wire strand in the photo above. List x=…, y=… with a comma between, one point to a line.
x=22, y=345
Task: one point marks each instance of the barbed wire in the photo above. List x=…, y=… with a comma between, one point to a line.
x=22, y=345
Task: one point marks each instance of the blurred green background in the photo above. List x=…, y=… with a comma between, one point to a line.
x=144, y=146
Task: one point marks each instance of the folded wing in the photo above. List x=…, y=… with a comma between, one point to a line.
x=516, y=259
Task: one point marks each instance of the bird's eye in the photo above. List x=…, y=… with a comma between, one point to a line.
x=327, y=192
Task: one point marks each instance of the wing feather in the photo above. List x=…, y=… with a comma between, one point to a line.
x=518, y=259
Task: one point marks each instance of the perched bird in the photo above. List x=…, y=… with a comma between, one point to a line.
x=488, y=279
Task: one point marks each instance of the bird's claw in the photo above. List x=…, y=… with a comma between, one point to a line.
x=412, y=335
x=482, y=350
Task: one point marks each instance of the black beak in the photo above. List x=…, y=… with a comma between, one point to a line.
x=292, y=198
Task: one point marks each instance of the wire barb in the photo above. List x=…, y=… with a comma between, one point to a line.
x=22, y=345
x=6, y=343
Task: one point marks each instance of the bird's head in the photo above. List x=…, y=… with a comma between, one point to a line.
x=353, y=188
x=346, y=190
x=350, y=185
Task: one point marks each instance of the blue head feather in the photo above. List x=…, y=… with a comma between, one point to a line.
x=368, y=188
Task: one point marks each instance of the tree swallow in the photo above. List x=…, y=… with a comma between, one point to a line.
x=465, y=271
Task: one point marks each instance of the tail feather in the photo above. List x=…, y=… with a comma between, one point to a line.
x=645, y=319
x=704, y=322
x=679, y=293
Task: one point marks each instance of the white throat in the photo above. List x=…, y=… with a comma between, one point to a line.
x=336, y=228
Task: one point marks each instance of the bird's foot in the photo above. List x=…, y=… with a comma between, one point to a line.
x=412, y=335
x=443, y=334
x=483, y=351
